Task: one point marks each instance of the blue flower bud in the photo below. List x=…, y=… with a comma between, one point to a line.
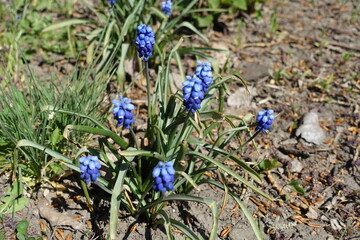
x=264, y=120
x=166, y=7
x=145, y=41
x=204, y=73
x=122, y=111
x=163, y=175
x=89, y=168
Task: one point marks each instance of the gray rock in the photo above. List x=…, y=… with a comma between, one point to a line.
x=296, y=166
x=310, y=129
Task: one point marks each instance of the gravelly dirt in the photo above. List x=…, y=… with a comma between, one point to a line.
x=310, y=62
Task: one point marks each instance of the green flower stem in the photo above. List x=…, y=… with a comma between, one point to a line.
x=250, y=139
x=221, y=99
x=148, y=94
x=181, y=136
x=134, y=137
x=84, y=188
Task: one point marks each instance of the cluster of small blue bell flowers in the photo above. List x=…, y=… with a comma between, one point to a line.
x=89, y=167
x=204, y=72
x=193, y=93
x=111, y=2
x=194, y=88
x=166, y=7
x=163, y=175
x=264, y=120
x=145, y=41
x=122, y=111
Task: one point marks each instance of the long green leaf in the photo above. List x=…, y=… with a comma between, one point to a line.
x=28, y=143
x=134, y=153
x=185, y=229
x=179, y=197
x=55, y=109
x=193, y=28
x=167, y=224
x=64, y=23
x=231, y=172
x=116, y=200
x=244, y=209
x=103, y=132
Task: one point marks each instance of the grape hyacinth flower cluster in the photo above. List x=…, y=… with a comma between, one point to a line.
x=111, y=2
x=89, y=167
x=195, y=87
x=122, y=111
x=166, y=7
x=204, y=72
x=264, y=120
x=193, y=93
x=163, y=175
x=145, y=41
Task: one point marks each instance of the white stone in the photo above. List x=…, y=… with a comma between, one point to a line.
x=310, y=130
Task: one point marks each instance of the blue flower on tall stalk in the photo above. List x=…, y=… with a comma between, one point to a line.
x=264, y=120
x=166, y=7
x=163, y=175
x=122, y=111
x=145, y=41
x=111, y=2
x=89, y=167
x=193, y=93
x=204, y=72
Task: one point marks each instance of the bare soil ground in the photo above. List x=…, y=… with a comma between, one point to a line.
x=310, y=61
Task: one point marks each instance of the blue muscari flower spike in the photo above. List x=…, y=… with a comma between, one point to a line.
x=145, y=41
x=193, y=93
x=122, y=111
x=204, y=72
x=163, y=175
x=166, y=7
x=264, y=120
x=89, y=167
x=111, y=2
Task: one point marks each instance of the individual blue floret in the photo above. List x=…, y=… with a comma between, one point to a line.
x=166, y=7
x=264, y=120
x=145, y=41
x=111, y=2
x=163, y=175
x=193, y=93
x=122, y=111
x=89, y=167
x=204, y=72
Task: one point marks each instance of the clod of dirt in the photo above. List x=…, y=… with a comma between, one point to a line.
x=241, y=97
x=56, y=218
x=310, y=130
x=253, y=71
